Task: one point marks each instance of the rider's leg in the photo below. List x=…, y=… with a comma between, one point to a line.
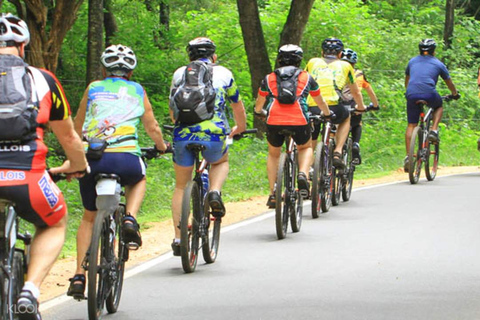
x=437, y=116
x=342, y=134
x=408, y=135
x=46, y=246
x=305, y=155
x=272, y=165
x=84, y=235
x=182, y=176
x=134, y=195
x=219, y=172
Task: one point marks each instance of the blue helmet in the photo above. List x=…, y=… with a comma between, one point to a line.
x=332, y=46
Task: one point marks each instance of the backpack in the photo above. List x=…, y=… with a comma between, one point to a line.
x=194, y=99
x=287, y=82
x=18, y=113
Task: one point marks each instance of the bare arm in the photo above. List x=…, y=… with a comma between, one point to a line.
x=72, y=144
x=151, y=125
x=407, y=79
x=451, y=86
x=259, y=103
x=357, y=96
x=80, y=117
x=240, y=118
x=322, y=104
x=372, y=96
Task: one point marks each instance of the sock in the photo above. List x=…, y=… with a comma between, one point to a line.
x=29, y=286
x=176, y=240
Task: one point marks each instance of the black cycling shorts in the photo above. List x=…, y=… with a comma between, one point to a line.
x=342, y=112
x=301, y=134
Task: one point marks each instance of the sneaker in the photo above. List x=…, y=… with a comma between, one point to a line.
x=303, y=185
x=176, y=248
x=77, y=287
x=405, y=164
x=272, y=202
x=338, y=161
x=310, y=174
x=131, y=232
x=216, y=204
x=27, y=306
x=433, y=136
x=356, y=157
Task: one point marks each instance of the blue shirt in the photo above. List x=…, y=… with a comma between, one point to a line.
x=424, y=72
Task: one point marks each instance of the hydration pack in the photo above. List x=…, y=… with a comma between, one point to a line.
x=194, y=99
x=287, y=83
x=18, y=113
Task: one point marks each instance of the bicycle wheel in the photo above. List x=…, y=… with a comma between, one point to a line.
x=281, y=195
x=415, y=155
x=117, y=260
x=317, y=181
x=350, y=169
x=211, y=239
x=18, y=279
x=326, y=170
x=337, y=185
x=189, y=226
x=431, y=160
x=296, y=207
x=97, y=272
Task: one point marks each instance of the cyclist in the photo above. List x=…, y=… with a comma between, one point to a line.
x=332, y=75
x=421, y=76
x=293, y=117
x=111, y=110
x=356, y=119
x=23, y=176
x=211, y=133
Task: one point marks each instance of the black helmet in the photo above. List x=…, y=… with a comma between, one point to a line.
x=332, y=46
x=200, y=48
x=290, y=55
x=428, y=45
x=349, y=55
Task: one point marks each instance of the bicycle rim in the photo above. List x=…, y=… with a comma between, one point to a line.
x=117, y=251
x=97, y=274
x=327, y=177
x=317, y=181
x=211, y=239
x=431, y=163
x=189, y=227
x=350, y=169
x=281, y=208
x=415, y=156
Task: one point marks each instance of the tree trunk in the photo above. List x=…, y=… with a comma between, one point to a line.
x=296, y=21
x=449, y=21
x=255, y=47
x=110, y=24
x=95, y=40
x=46, y=41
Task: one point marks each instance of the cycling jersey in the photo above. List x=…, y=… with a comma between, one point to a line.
x=362, y=83
x=332, y=75
x=114, y=108
x=216, y=128
x=288, y=114
x=53, y=105
x=423, y=71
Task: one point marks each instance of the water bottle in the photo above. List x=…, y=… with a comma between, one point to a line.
x=205, y=182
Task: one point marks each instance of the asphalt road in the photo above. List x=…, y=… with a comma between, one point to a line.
x=398, y=251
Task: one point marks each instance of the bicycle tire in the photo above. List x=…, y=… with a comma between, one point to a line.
x=431, y=160
x=211, y=239
x=296, y=207
x=189, y=226
x=281, y=207
x=117, y=251
x=337, y=186
x=317, y=181
x=18, y=273
x=96, y=274
x=327, y=176
x=347, y=186
x=415, y=155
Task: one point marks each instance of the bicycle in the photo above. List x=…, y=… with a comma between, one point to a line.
x=422, y=150
x=106, y=256
x=13, y=260
x=288, y=199
x=322, y=182
x=196, y=220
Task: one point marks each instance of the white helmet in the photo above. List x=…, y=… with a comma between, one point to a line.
x=119, y=57
x=14, y=29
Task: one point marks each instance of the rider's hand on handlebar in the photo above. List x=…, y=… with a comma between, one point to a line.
x=330, y=117
x=69, y=171
x=262, y=114
x=166, y=148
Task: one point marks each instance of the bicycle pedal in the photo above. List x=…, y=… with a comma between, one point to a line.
x=304, y=193
x=132, y=246
x=79, y=297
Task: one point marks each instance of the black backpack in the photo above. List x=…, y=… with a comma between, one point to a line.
x=287, y=82
x=194, y=99
x=18, y=113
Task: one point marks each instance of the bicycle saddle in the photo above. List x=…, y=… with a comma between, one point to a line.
x=196, y=147
x=287, y=132
x=421, y=102
x=107, y=176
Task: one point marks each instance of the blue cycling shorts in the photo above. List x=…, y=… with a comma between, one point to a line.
x=183, y=157
x=434, y=100
x=129, y=167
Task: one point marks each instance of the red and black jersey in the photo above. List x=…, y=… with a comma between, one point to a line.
x=53, y=105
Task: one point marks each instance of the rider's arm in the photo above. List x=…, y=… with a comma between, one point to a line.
x=451, y=86
x=151, y=125
x=71, y=143
x=372, y=96
x=322, y=104
x=80, y=117
x=407, y=79
x=357, y=96
x=259, y=103
x=239, y=116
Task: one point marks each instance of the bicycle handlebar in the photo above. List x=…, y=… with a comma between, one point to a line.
x=152, y=152
x=450, y=97
x=242, y=135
